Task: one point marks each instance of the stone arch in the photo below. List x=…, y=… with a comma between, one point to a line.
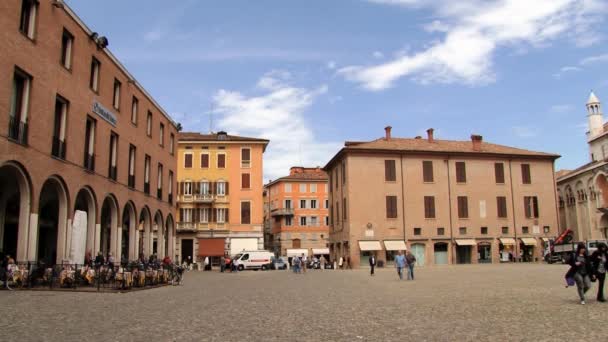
x=144, y=232
x=170, y=237
x=601, y=182
x=86, y=201
x=128, y=241
x=15, y=209
x=52, y=231
x=157, y=231
x=109, y=239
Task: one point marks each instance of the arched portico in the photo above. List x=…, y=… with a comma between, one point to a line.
x=86, y=202
x=15, y=208
x=128, y=243
x=144, y=232
x=109, y=237
x=51, y=237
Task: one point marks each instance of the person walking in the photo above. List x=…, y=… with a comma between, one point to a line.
x=400, y=264
x=304, y=261
x=582, y=270
x=599, y=262
x=222, y=264
x=4, y=271
x=341, y=262
x=411, y=261
x=322, y=262
x=372, y=264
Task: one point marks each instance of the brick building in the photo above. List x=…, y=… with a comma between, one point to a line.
x=446, y=201
x=297, y=214
x=220, y=195
x=86, y=154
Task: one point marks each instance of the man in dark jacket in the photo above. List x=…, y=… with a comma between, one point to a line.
x=599, y=264
x=582, y=270
x=372, y=264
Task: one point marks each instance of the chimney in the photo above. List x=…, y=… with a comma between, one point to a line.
x=429, y=134
x=387, y=130
x=476, y=139
x=295, y=170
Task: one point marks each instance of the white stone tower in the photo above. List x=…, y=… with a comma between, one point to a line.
x=594, y=114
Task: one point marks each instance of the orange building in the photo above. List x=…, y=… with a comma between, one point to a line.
x=220, y=195
x=297, y=217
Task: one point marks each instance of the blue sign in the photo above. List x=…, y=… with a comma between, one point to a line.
x=104, y=113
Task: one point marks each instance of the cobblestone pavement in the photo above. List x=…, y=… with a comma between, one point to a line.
x=448, y=303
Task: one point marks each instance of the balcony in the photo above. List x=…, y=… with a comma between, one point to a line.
x=17, y=130
x=186, y=226
x=58, y=148
x=196, y=198
x=282, y=212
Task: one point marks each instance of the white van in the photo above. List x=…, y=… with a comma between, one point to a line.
x=253, y=260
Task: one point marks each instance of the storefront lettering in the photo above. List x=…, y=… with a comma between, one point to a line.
x=104, y=113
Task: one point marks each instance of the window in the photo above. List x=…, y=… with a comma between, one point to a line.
x=187, y=188
x=417, y=231
x=205, y=160
x=221, y=215
x=391, y=206
x=429, y=206
x=326, y=204
x=546, y=229
x=505, y=230
x=221, y=161
x=147, y=175
x=440, y=231
x=337, y=212
x=132, y=151
x=314, y=221
x=89, y=144
x=327, y=220
x=112, y=173
x=188, y=160
x=313, y=204
x=67, y=40
x=171, y=143
x=159, y=182
x=161, y=135
x=463, y=207
x=501, y=206
x=531, y=206
x=27, y=23
x=484, y=230
x=204, y=215
x=149, y=124
x=20, y=100
x=313, y=188
x=390, y=174
x=287, y=204
x=246, y=157
x=526, y=178
x=185, y=215
x=344, y=209
x=287, y=187
x=343, y=172
x=302, y=204
x=205, y=190
x=221, y=188
x=462, y=230
x=524, y=230
x=59, y=126
x=134, y=109
x=499, y=173
x=288, y=221
x=461, y=172
x=94, y=77
x=303, y=221
x=170, y=187
x=116, y=98
x=427, y=171
x=302, y=187
x=245, y=212
x=245, y=181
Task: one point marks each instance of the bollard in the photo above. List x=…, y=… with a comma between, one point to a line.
x=335, y=266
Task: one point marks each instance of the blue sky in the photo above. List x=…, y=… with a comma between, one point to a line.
x=309, y=75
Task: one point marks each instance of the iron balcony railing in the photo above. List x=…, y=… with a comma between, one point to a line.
x=17, y=130
x=89, y=162
x=282, y=212
x=58, y=148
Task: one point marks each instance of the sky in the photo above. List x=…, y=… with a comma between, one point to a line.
x=309, y=75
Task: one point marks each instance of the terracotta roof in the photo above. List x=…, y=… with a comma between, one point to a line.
x=562, y=173
x=569, y=173
x=307, y=174
x=194, y=136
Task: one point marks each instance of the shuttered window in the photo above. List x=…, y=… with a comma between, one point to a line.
x=526, y=178
x=429, y=206
x=344, y=209
x=245, y=212
x=463, y=207
x=501, y=206
x=427, y=171
x=461, y=172
x=390, y=174
x=221, y=161
x=499, y=173
x=187, y=160
x=205, y=160
x=391, y=206
x=245, y=181
x=531, y=206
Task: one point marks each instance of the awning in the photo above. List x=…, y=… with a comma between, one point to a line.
x=545, y=239
x=296, y=252
x=528, y=241
x=373, y=245
x=319, y=251
x=211, y=247
x=507, y=241
x=466, y=242
x=395, y=245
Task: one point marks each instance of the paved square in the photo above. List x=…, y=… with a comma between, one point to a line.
x=451, y=303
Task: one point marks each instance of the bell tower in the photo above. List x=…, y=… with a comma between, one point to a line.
x=594, y=115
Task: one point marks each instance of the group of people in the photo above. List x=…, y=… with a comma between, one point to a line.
x=585, y=269
x=6, y=266
x=407, y=262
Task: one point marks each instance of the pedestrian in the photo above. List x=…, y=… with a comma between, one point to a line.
x=207, y=266
x=4, y=271
x=599, y=262
x=411, y=261
x=322, y=262
x=99, y=260
x=296, y=264
x=111, y=261
x=235, y=265
x=400, y=264
x=222, y=264
x=304, y=261
x=581, y=268
x=372, y=264
x=341, y=262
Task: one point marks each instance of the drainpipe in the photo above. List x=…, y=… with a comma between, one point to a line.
x=453, y=248
x=515, y=249
x=402, y=198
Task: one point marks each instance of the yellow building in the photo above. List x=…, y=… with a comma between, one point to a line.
x=220, y=189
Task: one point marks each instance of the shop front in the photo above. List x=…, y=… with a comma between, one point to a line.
x=526, y=247
x=318, y=252
x=213, y=248
x=506, y=249
x=367, y=249
x=484, y=252
x=464, y=250
x=419, y=251
x=440, y=251
x=392, y=248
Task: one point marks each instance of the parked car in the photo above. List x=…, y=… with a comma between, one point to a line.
x=253, y=260
x=279, y=263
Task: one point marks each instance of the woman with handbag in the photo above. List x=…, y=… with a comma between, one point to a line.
x=599, y=262
x=581, y=267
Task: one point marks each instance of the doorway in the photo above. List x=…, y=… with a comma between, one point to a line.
x=463, y=254
x=441, y=253
x=187, y=249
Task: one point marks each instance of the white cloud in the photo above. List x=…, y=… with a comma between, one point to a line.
x=595, y=59
x=378, y=54
x=436, y=26
x=331, y=65
x=153, y=36
x=278, y=115
x=565, y=70
x=525, y=131
x=477, y=29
